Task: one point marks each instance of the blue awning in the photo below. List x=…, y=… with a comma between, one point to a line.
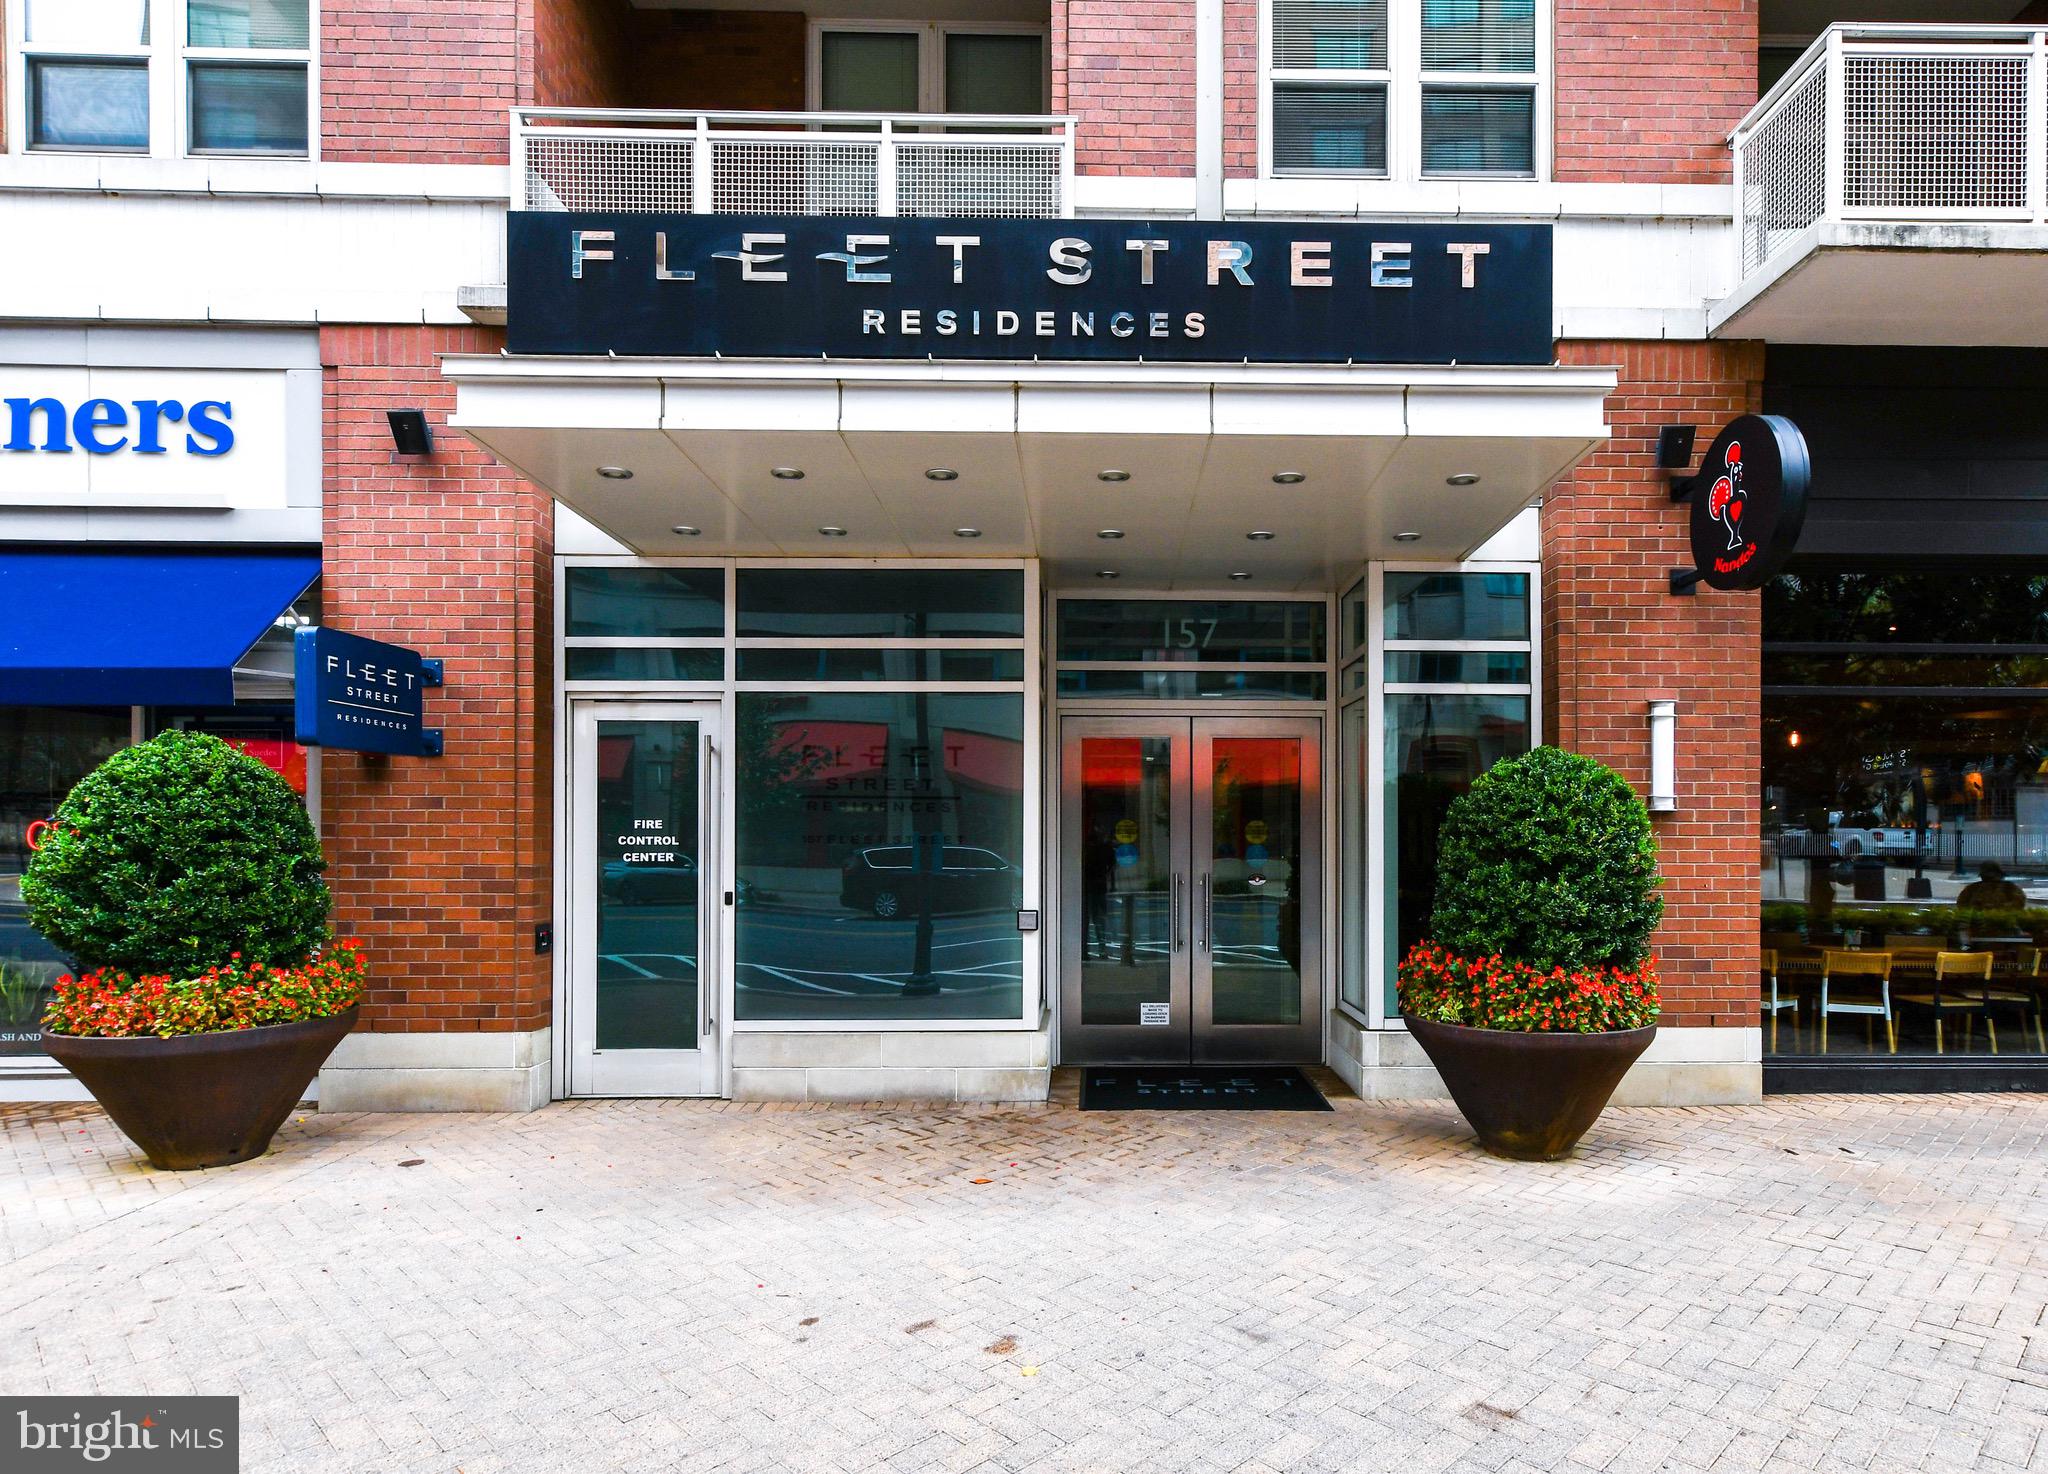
x=126, y=627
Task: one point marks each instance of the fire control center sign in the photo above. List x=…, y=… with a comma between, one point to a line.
x=781, y=286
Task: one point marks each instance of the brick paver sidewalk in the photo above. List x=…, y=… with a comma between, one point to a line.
x=1820, y=1283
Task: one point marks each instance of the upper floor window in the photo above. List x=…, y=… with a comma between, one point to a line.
x=167, y=77
x=913, y=67
x=1406, y=89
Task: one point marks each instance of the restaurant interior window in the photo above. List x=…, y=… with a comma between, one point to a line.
x=1904, y=872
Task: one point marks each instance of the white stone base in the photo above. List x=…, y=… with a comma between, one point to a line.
x=1681, y=1067
x=439, y=1072
x=992, y=1065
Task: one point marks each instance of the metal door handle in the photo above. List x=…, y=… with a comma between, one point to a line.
x=1173, y=910
x=1208, y=917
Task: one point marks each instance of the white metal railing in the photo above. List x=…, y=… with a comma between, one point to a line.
x=1896, y=123
x=792, y=163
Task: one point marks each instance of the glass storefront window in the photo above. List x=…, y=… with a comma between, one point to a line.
x=880, y=848
x=1904, y=813
x=1195, y=685
x=641, y=663
x=43, y=752
x=1191, y=630
x=663, y=603
x=1435, y=746
x=1457, y=606
x=842, y=664
x=882, y=603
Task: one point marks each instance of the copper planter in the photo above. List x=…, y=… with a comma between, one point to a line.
x=1530, y=1096
x=202, y=1100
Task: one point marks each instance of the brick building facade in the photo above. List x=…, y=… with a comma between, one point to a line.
x=1604, y=121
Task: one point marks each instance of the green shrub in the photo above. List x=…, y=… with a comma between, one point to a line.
x=174, y=856
x=1548, y=860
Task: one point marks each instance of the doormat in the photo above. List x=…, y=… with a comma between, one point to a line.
x=1198, y=1088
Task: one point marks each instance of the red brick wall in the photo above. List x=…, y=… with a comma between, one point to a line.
x=441, y=865
x=741, y=59
x=1240, y=89
x=1647, y=90
x=420, y=81
x=580, y=52
x=1614, y=638
x=1126, y=70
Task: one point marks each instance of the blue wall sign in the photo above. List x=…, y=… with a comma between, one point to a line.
x=104, y=427
x=362, y=695
x=782, y=286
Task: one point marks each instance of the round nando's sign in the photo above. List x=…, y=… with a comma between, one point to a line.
x=1749, y=502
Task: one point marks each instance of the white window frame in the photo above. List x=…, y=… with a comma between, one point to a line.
x=1404, y=79
x=1379, y=923
x=169, y=60
x=931, y=55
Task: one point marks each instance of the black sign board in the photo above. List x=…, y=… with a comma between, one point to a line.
x=1748, y=504
x=782, y=286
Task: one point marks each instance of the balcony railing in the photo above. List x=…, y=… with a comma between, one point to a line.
x=1896, y=123
x=792, y=163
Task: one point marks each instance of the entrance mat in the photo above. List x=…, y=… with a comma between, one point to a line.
x=1198, y=1088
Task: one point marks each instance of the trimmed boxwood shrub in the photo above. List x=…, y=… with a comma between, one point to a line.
x=1548, y=860
x=178, y=855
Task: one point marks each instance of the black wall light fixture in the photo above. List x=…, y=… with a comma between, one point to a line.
x=409, y=432
x=1674, y=457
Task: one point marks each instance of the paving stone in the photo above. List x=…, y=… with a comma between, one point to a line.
x=1818, y=1283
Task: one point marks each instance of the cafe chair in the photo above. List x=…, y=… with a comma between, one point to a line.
x=1773, y=1002
x=2018, y=989
x=1857, y=983
x=1960, y=968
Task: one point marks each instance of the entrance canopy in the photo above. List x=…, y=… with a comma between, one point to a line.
x=1339, y=463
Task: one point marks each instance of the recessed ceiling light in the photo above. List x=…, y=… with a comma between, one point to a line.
x=1110, y=534
x=1112, y=475
x=1259, y=537
x=786, y=473
x=1463, y=478
x=1407, y=537
x=1288, y=478
x=1105, y=573
x=686, y=530
x=615, y=473
x=942, y=473
x=1239, y=577
x=967, y=532
x=831, y=532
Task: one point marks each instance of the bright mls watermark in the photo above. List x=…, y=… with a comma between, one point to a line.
x=114, y=1435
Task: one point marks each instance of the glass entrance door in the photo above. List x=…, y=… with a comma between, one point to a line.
x=1191, y=889
x=645, y=923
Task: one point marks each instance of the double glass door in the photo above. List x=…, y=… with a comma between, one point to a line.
x=1191, y=883
x=645, y=913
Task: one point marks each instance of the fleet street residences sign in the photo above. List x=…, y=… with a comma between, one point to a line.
x=780, y=286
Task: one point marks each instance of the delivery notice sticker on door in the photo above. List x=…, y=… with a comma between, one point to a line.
x=1155, y=1013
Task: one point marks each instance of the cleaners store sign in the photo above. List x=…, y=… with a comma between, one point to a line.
x=778, y=286
x=86, y=436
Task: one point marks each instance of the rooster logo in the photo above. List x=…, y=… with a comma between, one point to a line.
x=1724, y=502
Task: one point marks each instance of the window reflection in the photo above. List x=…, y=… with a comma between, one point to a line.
x=880, y=844
x=43, y=752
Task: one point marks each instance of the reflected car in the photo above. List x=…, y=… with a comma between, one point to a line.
x=882, y=880
x=641, y=884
